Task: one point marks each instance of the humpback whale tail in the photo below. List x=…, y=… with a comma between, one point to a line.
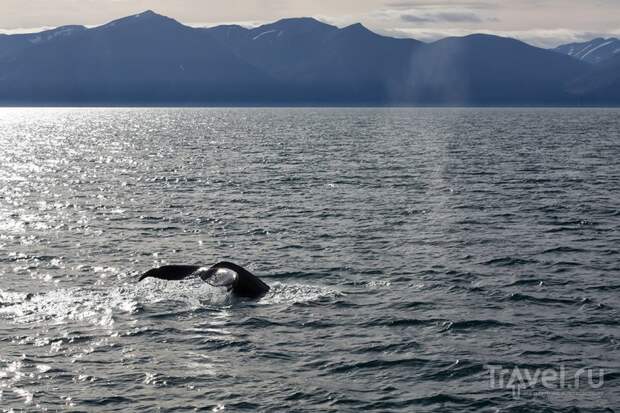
x=235, y=278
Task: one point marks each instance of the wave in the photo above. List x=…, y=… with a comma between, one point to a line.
x=401, y=322
x=475, y=325
x=382, y=364
x=562, y=250
x=543, y=300
x=508, y=262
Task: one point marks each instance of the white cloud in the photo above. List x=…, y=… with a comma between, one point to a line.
x=22, y=30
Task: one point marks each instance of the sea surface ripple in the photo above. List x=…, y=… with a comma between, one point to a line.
x=408, y=250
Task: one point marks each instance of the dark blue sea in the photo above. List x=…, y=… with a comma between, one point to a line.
x=421, y=260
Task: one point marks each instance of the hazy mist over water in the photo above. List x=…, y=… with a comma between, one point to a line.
x=408, y=250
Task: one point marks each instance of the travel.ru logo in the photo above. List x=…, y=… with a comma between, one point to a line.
x=518, y=379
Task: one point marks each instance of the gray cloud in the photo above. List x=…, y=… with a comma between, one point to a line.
x=416, y=4
x=444, y=17
x=410, y=18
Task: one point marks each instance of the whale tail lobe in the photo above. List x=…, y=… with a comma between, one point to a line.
x=170, y=272
x=235, y=278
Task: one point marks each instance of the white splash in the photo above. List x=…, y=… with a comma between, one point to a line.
x=297, y=293
x=100, y=306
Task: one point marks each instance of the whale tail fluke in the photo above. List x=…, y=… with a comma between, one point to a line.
x=235, y=278
x=171, y=272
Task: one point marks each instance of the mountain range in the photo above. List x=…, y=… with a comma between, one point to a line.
x=149, y=59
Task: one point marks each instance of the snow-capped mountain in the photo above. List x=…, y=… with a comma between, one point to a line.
x=595, y=51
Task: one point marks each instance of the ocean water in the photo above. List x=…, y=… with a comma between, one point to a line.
x=434, y=260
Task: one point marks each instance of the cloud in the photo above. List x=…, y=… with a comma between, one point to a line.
x=431, y=13
x=23, y=30
x=411, y=18
x=444, y=17
x=421, y=4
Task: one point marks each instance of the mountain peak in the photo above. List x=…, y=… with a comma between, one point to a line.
x=65, y=29
x=147, y=16
x=300, y=23
x=299, y=20
x=357, y=27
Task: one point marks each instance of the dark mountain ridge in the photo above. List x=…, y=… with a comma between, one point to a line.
x=149, y=59
x=601, y=84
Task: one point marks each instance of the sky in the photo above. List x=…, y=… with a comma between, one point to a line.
x=544, y=23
